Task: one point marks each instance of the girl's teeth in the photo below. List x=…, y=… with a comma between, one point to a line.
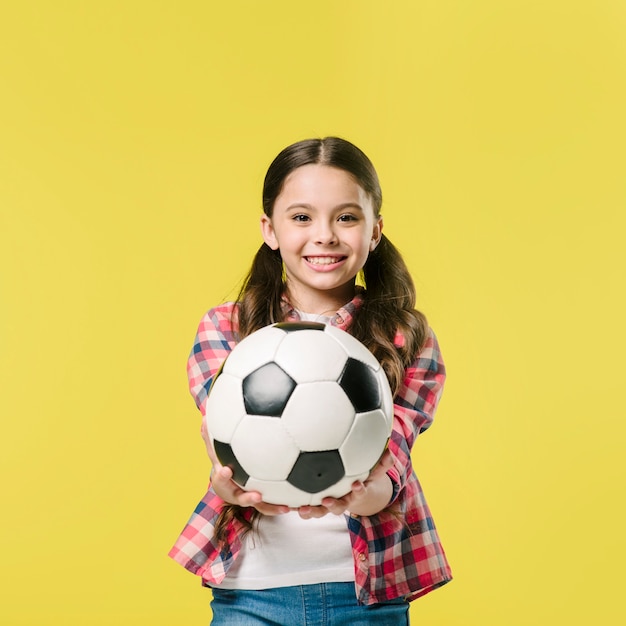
x=322, y=260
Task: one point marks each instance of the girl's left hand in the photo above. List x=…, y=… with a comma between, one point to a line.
x=366, y=498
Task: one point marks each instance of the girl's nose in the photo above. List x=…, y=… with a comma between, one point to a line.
x=325, y=234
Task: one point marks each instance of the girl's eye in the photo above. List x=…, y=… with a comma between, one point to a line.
x=300, y=217
x=347, y=217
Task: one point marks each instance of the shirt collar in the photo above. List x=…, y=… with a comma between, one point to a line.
x=342, y=319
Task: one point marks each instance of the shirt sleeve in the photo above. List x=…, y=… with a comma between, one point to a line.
x=414, y=408
x=214, y=340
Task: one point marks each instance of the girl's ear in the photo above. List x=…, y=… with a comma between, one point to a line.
x=267, y=230
x=377, y=233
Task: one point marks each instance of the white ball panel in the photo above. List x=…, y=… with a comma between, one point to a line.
x=365, y=442
x=279, y=492
x=224, y=407
x=353, y=347
x=318, y=416
x=254, y=351
x=311, y=355
x=264, y=448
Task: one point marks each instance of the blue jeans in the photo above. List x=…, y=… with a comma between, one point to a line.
x=326, y=604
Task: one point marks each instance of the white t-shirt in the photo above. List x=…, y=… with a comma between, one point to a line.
x=285, y=550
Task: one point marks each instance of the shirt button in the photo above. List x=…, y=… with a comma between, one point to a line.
x=361, y=557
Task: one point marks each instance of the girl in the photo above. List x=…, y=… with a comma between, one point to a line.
x=361, y=558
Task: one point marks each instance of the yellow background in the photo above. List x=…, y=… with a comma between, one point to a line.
x=134, y=137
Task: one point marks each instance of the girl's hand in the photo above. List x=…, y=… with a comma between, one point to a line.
x=366, y=498
x=231, y=492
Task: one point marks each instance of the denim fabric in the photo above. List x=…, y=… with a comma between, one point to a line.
x=326, y=604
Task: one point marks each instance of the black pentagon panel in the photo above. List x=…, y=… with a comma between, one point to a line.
x=266, y=391
x=227, y=458
x=361, y=385
x=315, y=471
x=292, y=326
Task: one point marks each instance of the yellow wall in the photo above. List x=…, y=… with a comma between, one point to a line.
x=134, y=136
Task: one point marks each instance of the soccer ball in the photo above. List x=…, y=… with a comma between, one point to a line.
x=299, y=411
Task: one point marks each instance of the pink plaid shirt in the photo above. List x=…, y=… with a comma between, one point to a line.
x=396, y=553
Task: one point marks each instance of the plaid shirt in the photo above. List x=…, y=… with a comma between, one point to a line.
x=396, y=552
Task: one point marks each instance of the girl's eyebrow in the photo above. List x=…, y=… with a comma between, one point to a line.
x=339, y=207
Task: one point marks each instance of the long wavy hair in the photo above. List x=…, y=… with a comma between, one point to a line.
x=389, y=300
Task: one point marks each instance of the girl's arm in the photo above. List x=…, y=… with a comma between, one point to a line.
x=415, y=406
x=214, y=341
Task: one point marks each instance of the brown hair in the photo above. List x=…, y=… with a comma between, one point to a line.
x=389, y=302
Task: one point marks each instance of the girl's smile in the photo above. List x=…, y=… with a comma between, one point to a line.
x=324, y=263
x=324, y=225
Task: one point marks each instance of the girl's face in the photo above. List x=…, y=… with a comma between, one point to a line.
x=324, y=225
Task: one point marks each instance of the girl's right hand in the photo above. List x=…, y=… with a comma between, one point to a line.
x=230, y=491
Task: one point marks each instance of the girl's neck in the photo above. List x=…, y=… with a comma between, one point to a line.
x=326, y=304
x=314, y=317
